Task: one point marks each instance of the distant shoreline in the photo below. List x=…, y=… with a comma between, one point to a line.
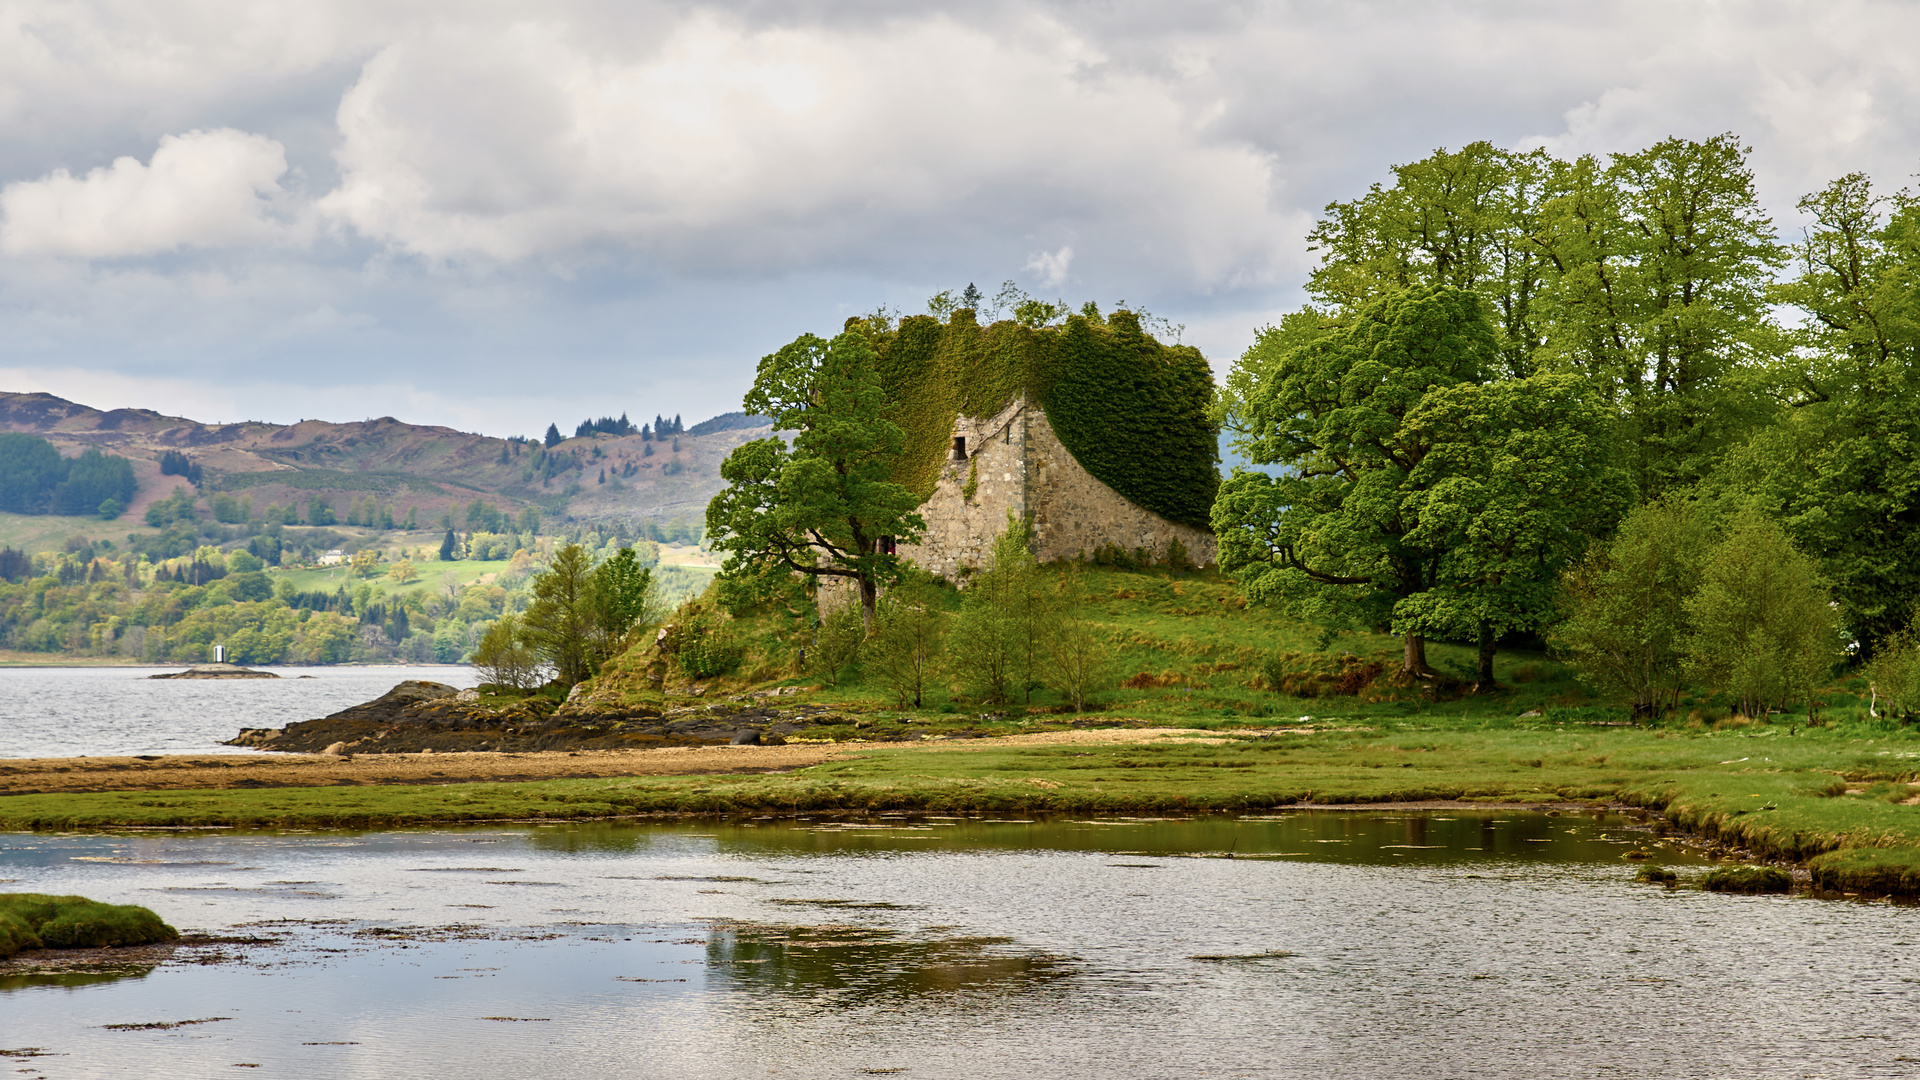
x=9, y=659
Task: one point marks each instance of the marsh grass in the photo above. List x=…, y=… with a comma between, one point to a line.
x=36, y=920
x=1752, y=880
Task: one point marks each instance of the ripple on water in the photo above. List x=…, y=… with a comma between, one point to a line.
x=1456, y=945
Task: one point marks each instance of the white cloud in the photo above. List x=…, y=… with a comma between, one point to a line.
x=201, y=189
x=1051, y=266
x=721, y=145
x=647, y=194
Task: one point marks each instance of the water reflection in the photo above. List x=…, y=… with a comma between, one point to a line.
x=1358, y=837
x=1496, y=943
x=841, y=965
x=71, y=979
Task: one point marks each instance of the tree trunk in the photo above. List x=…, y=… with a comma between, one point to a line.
x=1414, y=657
x=869, y=603
x=1483, y=679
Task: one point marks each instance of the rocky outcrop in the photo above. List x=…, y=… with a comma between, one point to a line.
x=421, y=716
x=216, y=671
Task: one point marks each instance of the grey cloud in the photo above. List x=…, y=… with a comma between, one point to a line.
x=566, y=183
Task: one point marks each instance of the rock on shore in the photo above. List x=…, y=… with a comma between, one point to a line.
x=216, y=671
x=416, y=716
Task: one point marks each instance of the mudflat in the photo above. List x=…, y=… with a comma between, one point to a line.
x=204, y=772
x=174, y=772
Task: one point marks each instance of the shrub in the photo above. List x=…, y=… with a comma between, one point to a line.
x=1748, y=879
x=1314, y=674
x=837, y=644
x=708, y=654
x=36, y=920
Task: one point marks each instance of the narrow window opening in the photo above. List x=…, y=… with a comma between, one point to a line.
x=959, y=448
x=889, y=546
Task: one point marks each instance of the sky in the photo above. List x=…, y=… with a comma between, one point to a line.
x=493, y=214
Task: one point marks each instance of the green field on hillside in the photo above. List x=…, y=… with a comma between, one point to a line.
x=48, y=532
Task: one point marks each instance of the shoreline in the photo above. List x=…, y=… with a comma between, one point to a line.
x=1804, y=802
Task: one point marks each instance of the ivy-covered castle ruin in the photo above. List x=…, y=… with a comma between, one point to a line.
x=1093, y=432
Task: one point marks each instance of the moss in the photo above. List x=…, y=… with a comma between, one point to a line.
x=1869, y=871
x=1655, y=875
x=1748, y=879
x=15, y=934
x=36, y=920
x=1131, y=410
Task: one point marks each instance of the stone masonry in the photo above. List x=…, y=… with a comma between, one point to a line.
x=1019, y=466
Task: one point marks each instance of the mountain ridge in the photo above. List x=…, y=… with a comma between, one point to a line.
x=428, y=469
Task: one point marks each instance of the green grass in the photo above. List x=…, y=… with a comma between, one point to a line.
x=1194, y=652
x=327, y=579
x=1772, y=794
x=48, y=532
x=35, y=921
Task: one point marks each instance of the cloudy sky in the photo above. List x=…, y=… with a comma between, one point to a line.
x=493, y=214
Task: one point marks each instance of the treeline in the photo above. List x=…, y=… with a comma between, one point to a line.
x=661, y=428
x=95, y=600
x=35, y=479
x=1508, y=352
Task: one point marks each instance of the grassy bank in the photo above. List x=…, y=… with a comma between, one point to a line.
x=39, y=921
x=1835, y=795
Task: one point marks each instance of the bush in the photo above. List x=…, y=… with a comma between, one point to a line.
x=36, y=920
x=1748, y=879
x=707, y=653
x=837, y=644
x=1314, y=674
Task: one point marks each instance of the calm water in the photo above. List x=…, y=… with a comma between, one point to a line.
x=1366, y=944
x=67, y=712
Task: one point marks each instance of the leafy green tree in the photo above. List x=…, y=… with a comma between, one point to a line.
x=1661, y=264
x=623, y=597
x=1763, y=627
x=1468, y=218
x=503, y=657
x=1007, y=616
x=837, y=643
x=1079, y=662
x=1627, y=627
x=1338, y=537
x=1894, y=674
x=449, y=547
x=822, y=506
x=1519, y=476
x=906, y=641
x=562, y=624
x=1840, y=466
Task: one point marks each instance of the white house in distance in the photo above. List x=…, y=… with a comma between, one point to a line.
x=335, y=557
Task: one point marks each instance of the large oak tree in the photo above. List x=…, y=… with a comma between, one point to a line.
x=824, y=505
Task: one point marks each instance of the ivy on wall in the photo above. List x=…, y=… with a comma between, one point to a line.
x=1132, y=411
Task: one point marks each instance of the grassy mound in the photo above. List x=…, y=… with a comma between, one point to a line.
x=1870, y=871
x=1748, y=879
x=39, y=921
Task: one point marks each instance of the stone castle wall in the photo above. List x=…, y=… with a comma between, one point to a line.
x=1073, y=514
x=1019, y=466
x=960, y=531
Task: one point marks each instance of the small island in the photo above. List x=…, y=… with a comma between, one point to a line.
x=216, y=671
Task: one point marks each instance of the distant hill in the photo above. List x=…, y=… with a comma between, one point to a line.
x=733, y=421
x=425, y=469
